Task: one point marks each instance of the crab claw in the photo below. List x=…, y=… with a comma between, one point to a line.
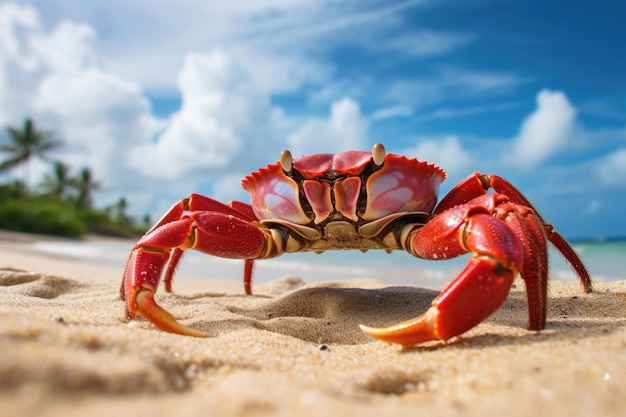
x=161, y=318
x=409, y=332
x=480, y=288
x=468, y=300
x=199, y=223
x=143, y=271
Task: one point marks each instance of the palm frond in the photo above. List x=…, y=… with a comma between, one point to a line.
x=11, y=163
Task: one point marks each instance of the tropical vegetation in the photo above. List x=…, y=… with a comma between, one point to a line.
x=61, y=203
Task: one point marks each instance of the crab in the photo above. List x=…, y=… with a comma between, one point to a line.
x=363, y=200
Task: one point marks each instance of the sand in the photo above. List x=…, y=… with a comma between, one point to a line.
x=292, y=349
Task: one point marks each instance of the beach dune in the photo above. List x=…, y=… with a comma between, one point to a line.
x=294, y=349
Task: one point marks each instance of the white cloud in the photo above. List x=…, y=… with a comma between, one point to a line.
x=593, y=207
x=68, y=49
x=451, y=113
x=55, y=78
x=225, y=127
x=545, y=131
x=276, y=41
x=223, y=117
x=12, y=17
x=346, y=129
x=479, y=82
x=228, y=187
x=99, y=117
x=612, y=168
x=392, y=112
x=449, y=84
x=446, y=153
x=426, y=43
x=17, y=65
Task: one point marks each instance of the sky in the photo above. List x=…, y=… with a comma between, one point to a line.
x=164, y=99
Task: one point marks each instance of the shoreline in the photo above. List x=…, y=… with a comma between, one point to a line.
x=16, y=251
x=606, y=263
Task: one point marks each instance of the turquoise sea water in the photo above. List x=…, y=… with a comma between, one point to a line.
x=606, y=261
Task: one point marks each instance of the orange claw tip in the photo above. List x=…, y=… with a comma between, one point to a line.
x=407, y=333
x=161, y=318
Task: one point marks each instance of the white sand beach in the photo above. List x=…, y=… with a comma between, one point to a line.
x=292, y=349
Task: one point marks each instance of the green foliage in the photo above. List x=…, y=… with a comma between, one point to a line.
x=50, y=215
x=15, y=189
x=101, y=222
x=41, y=215
x=65, y=206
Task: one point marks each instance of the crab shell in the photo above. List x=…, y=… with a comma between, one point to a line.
x=353, y=187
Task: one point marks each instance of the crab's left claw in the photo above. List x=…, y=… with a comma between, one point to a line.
x=478, y=291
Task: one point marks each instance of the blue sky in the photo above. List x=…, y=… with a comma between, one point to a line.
x=190, y=96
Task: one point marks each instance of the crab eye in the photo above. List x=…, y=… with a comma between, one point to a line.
x=378, y=154
x=286, y=160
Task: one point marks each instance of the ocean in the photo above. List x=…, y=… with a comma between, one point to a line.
x=606, y=261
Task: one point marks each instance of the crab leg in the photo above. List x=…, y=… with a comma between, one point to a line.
x=478, y=184
x=139, y=296
x=208, y=226
x=478, y=290
x=197, y=202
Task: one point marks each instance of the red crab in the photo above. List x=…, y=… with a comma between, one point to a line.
x=363, y=200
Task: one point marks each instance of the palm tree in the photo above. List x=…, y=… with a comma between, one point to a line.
x=85, y=185
x=58, y=181
x=25, y=144
x=147, y=221
x=121, y=217
x=122, y=205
